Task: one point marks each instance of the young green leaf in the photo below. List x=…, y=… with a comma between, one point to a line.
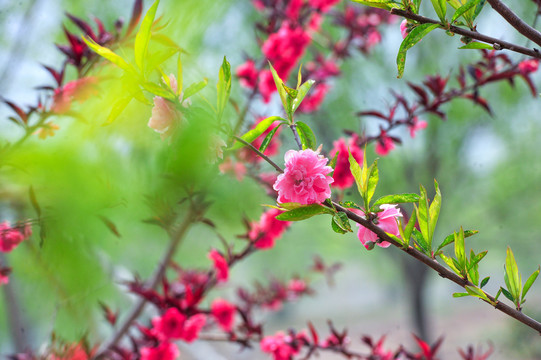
x=304, y=212
x=350, y=205
x=307, y=137
x=194, y=88
x=301, y=93
x=484, y=282
x=434, y=211
x=281, y=91
x=117, y=109
x=397, y=199
x=409, y=228
x=477, y=45
x=266, y=141
x=253, y=134
x=414, y=36
x=460, y=252
x=179, y=75
x=143, y=35
x=356, y=171
x=380, y=4
x=157, y=90
x=513, y=276
x=340, y=219
x=451, y=264
x=457, y=295
x=508, y=295
x=224, y=87
x=475, y=291
x=422, y=215
x=420, y=240
x=451, y=238
x=109, y=55
x=440, y=6
x=335, y=227
x=373, y=179
x=529, y=284
x=461, y=10
x=34, y=201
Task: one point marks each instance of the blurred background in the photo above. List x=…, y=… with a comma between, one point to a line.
x=488, y=168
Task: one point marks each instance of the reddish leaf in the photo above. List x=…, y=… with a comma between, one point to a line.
x=58, y=76
x=373, y=113
x=479, y=101
x=420, y=91
x=135, y=16
x=83, y=25
x=313, y=332
x=20, y=112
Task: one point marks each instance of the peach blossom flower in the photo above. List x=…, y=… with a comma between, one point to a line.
x=305, y=179
x=224, y=313
x=386, y=220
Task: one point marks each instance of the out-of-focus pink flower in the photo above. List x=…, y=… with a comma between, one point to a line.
x=80, y=90
x=528, y=66
x=266, y=85
x=281, y=346
x=323, y=5
x=247, y=74
x=71, y=352
x=259, y=5
x=386, y=220
x=10, y=237
x=404, y=28
x=4, y=275
x=342, y=176
x=417, y=125
x=293, y=9
x=322, y=69
x=164, y=351
x=314, y=24
x=220, y=265
x=296, y=287
x=46, y=130
x=384, y=144
x=372, y=39
x=272, y=149
x=170, y=325
x=313, y=101
x=224, y=313
x=305, y=179
x=268, y=229
x=236, y=168
x=193, y=326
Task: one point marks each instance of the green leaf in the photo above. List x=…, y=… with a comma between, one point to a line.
x=477, y=45
x=304, y=212
x=299, y=77
x=457, y=295
x=423, y=213
x=473, y=274
x=474, y=259
x=281, y=91
x=451, y=264
x=513, y=276
x=380, y=4
x=268, y=138
x=421, y=242
x=179, y=75
x=356, y=171
x=194, y=88
x=253, y=134
x=224, y=87
x=340, y=219
x=350, y=205
x=414, y=36
x=302, y=91
x=336, y=228
x=478, y=9
x=460, y=252
x=158, y=58
x=409, y=228
x=451, y=238
x=109, y=55
x=416, y=5
x=440, y=6
x=507, y=294
x=484, y=281
x=529, y=284
x=290, y=205
x=142, y=37
x=461, y=10
x=397, y=199
x=110, y=225
x=373, y=179
x=475, y=291
x=333, y=161
x=307, y=137
x=158, y=90
x=117, y=109
x=434, y=211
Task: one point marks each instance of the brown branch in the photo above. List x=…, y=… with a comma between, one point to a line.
x=440, y=269
x=516, y=21
x=253, y=148
x=497, y=43
x=152, y=283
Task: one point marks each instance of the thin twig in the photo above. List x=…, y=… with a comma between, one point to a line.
x=253, y=148
x=515, y=21
x=497, y=43
x=152, y=283
x=296, y=135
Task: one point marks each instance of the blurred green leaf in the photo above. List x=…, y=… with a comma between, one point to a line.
x=34, y=201
x=304, y=212
x=414, y=36
x=529, y=284
x=397, y=199
x=282, y=92
x=194, y=88
x=373, y=179
x=457, y=295
x=267, y=140
x=143, y=35
x=118, y=107
x=381, y=4
x=307, y=137
x=477, y=45
x=356, y=171
x=253, y=134
x=224, y=87
x=158, y=90
x=109, y=55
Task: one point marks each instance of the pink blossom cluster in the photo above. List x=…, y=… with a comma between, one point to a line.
x=305, y=179
x=387, y=221
x=11, y=237
x=342, y=176
x=220, y=265
x=269, y=229
x=284, y=346
x=80, y=90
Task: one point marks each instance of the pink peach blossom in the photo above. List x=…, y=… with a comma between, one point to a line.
x=384, y=144
x=404, y=28
x=164, y=351
x=323, y=5
x=193, y=326
x=268, y=229
x=305, y=179
x=11, y=237
x=387, y=221
x=342, y=176
x=220, y=265
x=224, y=313
x=313, y=101
x=247, y=74
x=170, y=325
x=528, y=66
x=417, y=125
x=235, y=168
